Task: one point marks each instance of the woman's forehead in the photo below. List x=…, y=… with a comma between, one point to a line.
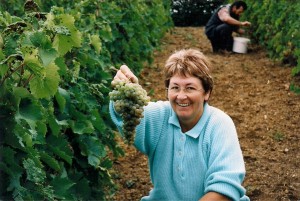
x=184, y=79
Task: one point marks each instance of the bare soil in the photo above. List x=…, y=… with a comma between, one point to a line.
x=254, y=91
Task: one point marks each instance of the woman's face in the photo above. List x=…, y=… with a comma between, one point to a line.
x=187, y=96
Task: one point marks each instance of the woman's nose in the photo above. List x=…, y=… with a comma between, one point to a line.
x=181, y=94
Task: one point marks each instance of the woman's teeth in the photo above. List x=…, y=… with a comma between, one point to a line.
x=183, y=104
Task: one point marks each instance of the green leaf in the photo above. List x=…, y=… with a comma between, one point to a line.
x=96, y=43
x=21, y=92
x=31, y=60
x=63, y=98
x=93, y=148
x=105, y=32
x=63, y=43
x=24, y=135
x=29, y=110
x=18, y=94
x=34, y=172
x=40, y=39
x=82, y=126
x=60, y=62
x=44, y=191
x=68, y=21
x=45, y=86
x=13, y=140
x=15, y=186
x=41, y=130
x=3, y=68
x=61, y=102
x=50, y=161
x=93, y=160
x=107, y=163
x=62, y=154
x=47, y=55
x=296, y=70
x=82, y=189
x=55, y=128
x=9, y=161
x=98, y=122
x=62, y=187
x=60, y=147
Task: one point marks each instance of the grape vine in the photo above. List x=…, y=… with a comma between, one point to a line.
x=129, y=100
x=56, y=132
x=275, y=27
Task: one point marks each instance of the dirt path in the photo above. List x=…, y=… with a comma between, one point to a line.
x=254, y=91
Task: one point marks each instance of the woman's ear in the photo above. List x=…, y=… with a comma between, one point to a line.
x=207, y=95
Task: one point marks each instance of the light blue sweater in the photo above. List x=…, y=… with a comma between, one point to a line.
x=185, y=166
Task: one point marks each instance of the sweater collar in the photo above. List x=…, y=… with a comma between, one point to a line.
x=197, y=129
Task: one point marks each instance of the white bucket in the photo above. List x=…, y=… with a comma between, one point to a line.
x=240, y=44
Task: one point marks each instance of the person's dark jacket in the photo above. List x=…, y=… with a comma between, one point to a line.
x=215, y=21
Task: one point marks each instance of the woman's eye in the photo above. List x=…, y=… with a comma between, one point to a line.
x=190, y=88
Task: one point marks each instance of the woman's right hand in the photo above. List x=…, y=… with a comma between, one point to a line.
x=125, y=74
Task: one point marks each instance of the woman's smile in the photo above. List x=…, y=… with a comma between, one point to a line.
x=183, y=104
x=187, y=98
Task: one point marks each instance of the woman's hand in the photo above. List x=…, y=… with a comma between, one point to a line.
x=213, y=196
x=125, y=74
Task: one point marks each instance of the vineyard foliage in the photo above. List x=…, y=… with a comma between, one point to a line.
x=275, y=25
x=57, y=139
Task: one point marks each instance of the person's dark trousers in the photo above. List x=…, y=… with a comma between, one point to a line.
x=222, y=39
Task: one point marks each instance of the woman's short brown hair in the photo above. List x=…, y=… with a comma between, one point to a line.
x=189, y=62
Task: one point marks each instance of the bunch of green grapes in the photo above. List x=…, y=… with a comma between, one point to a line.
x=129, y=100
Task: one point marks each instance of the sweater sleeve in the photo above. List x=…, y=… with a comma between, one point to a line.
x=116, y=118
x=152, y=126
x=226, y=168
x=156, y=115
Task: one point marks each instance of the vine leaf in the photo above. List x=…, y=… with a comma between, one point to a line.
x=92, y=148
x=63, y=99
x=82, y=126
x=33, y=171
x=29, y=110
x=60, y=147
x=62, y=186
x=47, y=55
x=55, y=128
x=46, y=85
x=96, y=43
x=60, y=62
x=32, y=61
x=98, y=121
x=10, y=165
x=41, y=41
x=82, y=187
x=63, y=43
x=50, y=161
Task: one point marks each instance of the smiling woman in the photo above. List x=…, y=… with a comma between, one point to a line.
x=193, y=148
x=187, y=103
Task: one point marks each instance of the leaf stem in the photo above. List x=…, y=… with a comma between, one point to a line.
x=8, y=74
x=28, y=80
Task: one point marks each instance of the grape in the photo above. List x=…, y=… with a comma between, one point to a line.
x=129, y=100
